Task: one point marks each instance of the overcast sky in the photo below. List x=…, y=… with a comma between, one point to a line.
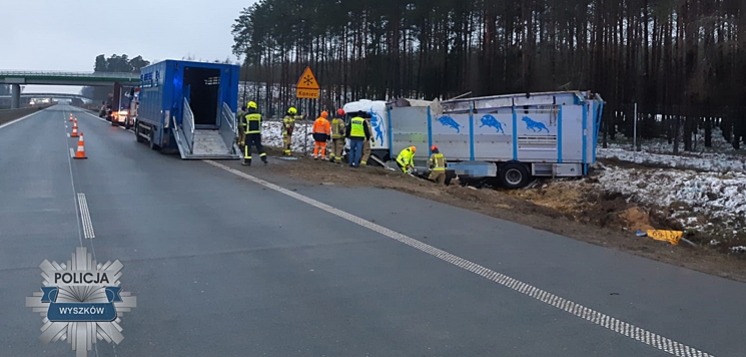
x=67, y=35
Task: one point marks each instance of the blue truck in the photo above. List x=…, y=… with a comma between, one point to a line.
x=189, y=107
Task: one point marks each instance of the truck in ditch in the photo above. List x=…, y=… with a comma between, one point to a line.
x=508, y=138
x=189, y=107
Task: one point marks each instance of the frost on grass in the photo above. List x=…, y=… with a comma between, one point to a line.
x=721, y=157
x=712, y=162
x=701, y=202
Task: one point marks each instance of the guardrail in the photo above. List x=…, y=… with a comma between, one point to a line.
x=13, y=73
x=7, y=115
x=188, y=125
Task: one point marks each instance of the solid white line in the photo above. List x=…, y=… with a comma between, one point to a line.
x=19, y=119
x=75, y=198
x=613, y=324
x=86, y=216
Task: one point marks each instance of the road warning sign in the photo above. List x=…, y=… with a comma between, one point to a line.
x=307, y=86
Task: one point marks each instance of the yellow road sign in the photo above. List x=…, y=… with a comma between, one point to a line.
x=307, y=80
x=301, y=93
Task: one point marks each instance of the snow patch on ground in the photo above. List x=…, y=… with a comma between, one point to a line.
x=713, y=162
x=661, y=146
x=702, y=202
x=272, y=136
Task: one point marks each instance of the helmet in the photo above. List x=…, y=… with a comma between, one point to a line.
x=434, y=147
x=324, y=114
x=251, y=105
x=292, y=111
x=340, y=112
x=413, y=149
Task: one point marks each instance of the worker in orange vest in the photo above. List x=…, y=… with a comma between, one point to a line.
x=322, y=132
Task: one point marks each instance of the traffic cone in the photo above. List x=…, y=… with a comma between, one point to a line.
x=80, y=154
x=71, y=117
x=75, y=130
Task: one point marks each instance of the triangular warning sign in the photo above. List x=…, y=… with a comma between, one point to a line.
x=307, y=80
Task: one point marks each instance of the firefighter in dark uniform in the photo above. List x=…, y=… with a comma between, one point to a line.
x=253, y=122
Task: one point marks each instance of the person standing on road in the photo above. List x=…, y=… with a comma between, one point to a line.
x=357, y=132
x=367, y=143
x=405, y=160
x=288, y=126
x=437, y=166
x=253, y=122
x=241, y=126
x=338, y=137
x=321, y=134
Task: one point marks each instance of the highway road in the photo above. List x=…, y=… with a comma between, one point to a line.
x=232, y=261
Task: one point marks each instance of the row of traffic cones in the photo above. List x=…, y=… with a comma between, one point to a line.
x=80, y=153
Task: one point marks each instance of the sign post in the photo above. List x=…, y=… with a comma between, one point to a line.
x=307, y=88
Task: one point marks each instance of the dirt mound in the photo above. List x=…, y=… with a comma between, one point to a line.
x=636, y=219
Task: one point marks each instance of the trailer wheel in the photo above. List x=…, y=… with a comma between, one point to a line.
x=513, y=175
x=153, y=146
x=137, y=134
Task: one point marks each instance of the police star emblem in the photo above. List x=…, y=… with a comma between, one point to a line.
x=81, y=302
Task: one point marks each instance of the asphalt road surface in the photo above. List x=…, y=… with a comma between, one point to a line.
x=225, y=264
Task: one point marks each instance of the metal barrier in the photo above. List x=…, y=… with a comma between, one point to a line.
x=188, y=125
x=228, y=128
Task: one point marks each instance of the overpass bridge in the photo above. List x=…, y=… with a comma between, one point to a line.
x=18, y=78
x=49, y=95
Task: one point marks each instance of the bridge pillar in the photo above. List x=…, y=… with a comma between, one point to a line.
x=15, y=99
x=117, y=92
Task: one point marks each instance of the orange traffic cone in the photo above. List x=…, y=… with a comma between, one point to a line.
x=80, y=154
x=71, y=117
x=75, y=130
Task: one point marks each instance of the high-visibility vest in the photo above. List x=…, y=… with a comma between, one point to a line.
x=438, y=162
x=405, y=157
x=357, y=130
x=254, y=123
x=337, y=128
x=321, y=126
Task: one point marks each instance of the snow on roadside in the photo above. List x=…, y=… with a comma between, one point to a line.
x=272, y=136
x=701, y=202
x=713, y=162
x=661, y=146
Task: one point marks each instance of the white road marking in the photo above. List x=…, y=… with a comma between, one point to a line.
x=19, y=119
x=85, y=216
x=598, y=318
x=72, y=152
x=75, y=198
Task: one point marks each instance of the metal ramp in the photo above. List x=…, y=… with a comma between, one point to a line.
x=202, y=144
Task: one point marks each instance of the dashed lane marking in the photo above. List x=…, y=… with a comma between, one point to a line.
x=628, y=330
x=85, y=216
x=72, y=152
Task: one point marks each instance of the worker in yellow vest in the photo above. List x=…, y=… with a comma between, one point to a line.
x=288, y=126
x=253, y=122
x=338, y=137
x=405, y=160
x=357, y=132
x=437, y=166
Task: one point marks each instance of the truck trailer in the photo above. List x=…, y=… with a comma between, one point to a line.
x=190, y=107
x=511, y=138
